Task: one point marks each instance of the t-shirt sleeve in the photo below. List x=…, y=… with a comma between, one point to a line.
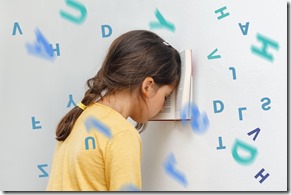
x=123, y=162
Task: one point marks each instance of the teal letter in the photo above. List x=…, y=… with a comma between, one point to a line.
x=220, y=144
x=40, y=167
x=162, y=22
x=265, y=105
x=215, y=102
x=262, y=52
x=15, y=27
x=243, y=160
x=240, y=112
x=211, y=56
x=34, y=122
x=222, y=14
x=233, y=72
x=87, y=142
x=57, y=49
x=244, y=28
x=77, y=6
x=103, y=28
x=71, y=101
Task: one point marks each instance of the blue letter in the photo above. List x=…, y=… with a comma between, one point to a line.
x=260, y=173
x=215, y=107
x=15, y=27
x=41, y=47
x=199, y=122
x=40, y=167
x=244, y=160
x=162, y=22
x=240, y=112
x=129, y=187
x=256, y=131
x=34, y=122
x=76, y=6
x=264, y=105
x=57, y=49
x=220, y=144
x=222, y=13
x=71, y=101
x=104, y=35
x=87, y=142
x=244, y=31
x=211, y=56
x=169, y=166
x=262, y=52
x=233, y=72
x=91, y=122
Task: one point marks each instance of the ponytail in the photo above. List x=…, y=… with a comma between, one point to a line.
x=66, y=124
x=95, y=92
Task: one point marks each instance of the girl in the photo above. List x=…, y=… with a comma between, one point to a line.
x=97, y=147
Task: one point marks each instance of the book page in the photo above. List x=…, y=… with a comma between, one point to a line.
x=183, y=92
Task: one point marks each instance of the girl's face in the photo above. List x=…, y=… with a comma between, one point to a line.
x=153, y=100
x=155, y=103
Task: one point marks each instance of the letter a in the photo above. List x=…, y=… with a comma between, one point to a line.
x=244, y=28
x=15, y=27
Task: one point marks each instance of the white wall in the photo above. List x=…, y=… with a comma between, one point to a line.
x=36, y=91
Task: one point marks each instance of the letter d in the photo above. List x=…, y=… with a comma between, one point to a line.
x=243, y=159
x=109, y=32
x=216, y=110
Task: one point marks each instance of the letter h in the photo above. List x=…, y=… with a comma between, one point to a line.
x=260, y=174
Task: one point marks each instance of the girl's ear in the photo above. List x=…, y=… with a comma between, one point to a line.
x=148, y=87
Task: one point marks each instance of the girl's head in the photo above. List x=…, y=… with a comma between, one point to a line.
x=139, y=62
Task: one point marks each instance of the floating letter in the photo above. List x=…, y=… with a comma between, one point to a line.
x=109, y=32
x=87, y=142
x=262, y=52
x=76, y=6
x=71, y=101
x=220, y=144
x=243, y=160
x=169, y=166
x=233, y=72
x=162, y=23
x=34, y=122
x=260, y=174
x=211, y=56
x=222, y=14
x=244, y=28
x=97, y=125
x=256, y=131
x=215, y=102
x=15, y=27
x=41, y=47
x=240, y=113
x=265, y=105
x=57, y=49
x=44, y=173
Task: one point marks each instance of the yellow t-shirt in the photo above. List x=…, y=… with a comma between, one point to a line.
x=102, y=152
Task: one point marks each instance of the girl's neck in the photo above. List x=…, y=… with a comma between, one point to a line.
x=121, y=102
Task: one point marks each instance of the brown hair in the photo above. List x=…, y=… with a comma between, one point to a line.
x=131, y=58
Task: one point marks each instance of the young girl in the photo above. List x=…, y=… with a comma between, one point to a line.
x=97, y=147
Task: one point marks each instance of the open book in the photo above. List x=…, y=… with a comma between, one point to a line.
x=176, y=106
